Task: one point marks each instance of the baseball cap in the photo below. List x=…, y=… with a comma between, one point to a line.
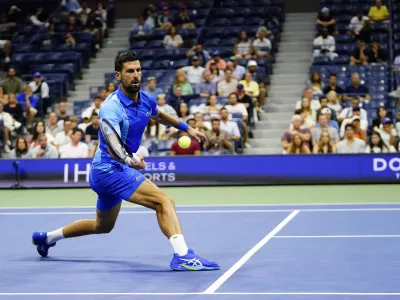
x=37, y=74
x=387, y=121
x=165, y=8
x=240, y=86
x=325, y=9
x=326, y=110
x=233, y=58
x=297, y=117
x=195, y=58
x=252, y=63
x=355, y=118
x=151, y=78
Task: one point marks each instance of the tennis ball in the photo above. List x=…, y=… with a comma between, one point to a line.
x=184, y=142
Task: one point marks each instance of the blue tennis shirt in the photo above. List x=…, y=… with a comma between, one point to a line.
x=129, y=118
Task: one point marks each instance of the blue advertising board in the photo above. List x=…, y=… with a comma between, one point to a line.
x=217, y=170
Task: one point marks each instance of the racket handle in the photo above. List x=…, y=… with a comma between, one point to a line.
x=134, y=158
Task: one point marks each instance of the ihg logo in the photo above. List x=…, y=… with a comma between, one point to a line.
x=381, y=164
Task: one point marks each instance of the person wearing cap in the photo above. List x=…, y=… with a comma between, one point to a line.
x=305, y=133
x=326, y=20
x=197, y=50
x=183, y=19
x=228, y=85
x=41, y=88
x=379, y=12
x=247, y=100
x=152, y=88
x=260, y=78
x=216, y=57
x=356, y=90
x=350, y=144
x=194, y=72
x=71, y=5
x=355, y=114
x=327, y=112
x=388, y=132
x=357, y=22
x=164, y=21
x=243, y=46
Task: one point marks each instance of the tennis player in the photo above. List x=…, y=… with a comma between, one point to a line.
x=129, y=110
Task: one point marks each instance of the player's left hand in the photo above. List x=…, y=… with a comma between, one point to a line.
x=139, y=165
x=196, y=134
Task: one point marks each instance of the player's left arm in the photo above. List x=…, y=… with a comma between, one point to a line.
x=168, y=120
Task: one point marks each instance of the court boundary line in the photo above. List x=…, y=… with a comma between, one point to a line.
x=350, y=236
x=232, y=211
x=222, y=279
x=197, y=293
x=213, y=205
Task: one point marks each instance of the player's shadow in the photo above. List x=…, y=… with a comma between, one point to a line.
x=122, y=265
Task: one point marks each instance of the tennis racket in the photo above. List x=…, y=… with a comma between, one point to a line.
x=115, y=144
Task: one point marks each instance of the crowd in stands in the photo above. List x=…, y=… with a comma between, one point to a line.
x=345, y=106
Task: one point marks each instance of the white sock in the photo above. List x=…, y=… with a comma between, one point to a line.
x=54, y=236
x=179, y=244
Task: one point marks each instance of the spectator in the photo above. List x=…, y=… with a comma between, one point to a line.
x=44, y=149
x=379, y=12
x=194, y=72
x=350, y=144
x=235, y=107
x=324, y=126
x=92, y=131
x=381, y=113
x=94, y=26
x=376, y=54
x=164, y=21
x=102, y=94
x=297, y=145
x=247, y=101
x=325, y=144
x=3, y=97
x=366, y=32
x=83, y=12
x=377, y=145
x=75, y=148
x=329, y=113
x=324, y=104
x=200, y=124
x=308, y=112
x=359, y=56
x=183, y=111
x=193, y=149
x=183, y=19
x=173, y=39
x=333, y=102
x=140, y=29
x=175, y=99
x=260, y=78
x=326, y=21
x=357, y=22
x=73, y=25
x=359, y=133
x=100, y=11
x=33, y=139
x=41, y=88
x=349, y=114
x=181, y=81
x=161, y=104
x=64, y=137
x=315, y=84
x=21, y=149
x=29, y=103
x=13, y=84
x=217, y=139
x=250, y=85
x=357, y=90
x=88, y=112
x=333, y=86
x=71, y=5
x=52, y=126
x=111, y=87
x=203, y=55
x=305, y=134
x=6, y=47
x=14, y=108
x=388, y=132
x=325, y=45
x=62, y=109
x=314, y=103
x=39, y=18
x=238, y=70
x=216, y=74
x=262, y=46
x=152, y=88
x=228, y=85
x=243, y=46
x=206, y=87
x=6, y=126
x=221, y=64
x=230, y=127
x=212, y=108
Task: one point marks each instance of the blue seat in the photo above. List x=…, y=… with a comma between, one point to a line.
x=343, y=38
x=227, y=41
x=155, y=44
x=45, y=68
x=212, y=42
x=24, y=48
x=146, y=64
x=341, y=60
x=66, y=68
x=221, y=22
x=321, y=60
x=52, y=57
x=138, y=44
x=79, y=106
x=213, y=32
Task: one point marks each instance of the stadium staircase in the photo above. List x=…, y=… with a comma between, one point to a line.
x=104, y=61
x=288, y=79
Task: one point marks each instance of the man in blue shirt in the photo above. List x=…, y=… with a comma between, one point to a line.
x=129, y=110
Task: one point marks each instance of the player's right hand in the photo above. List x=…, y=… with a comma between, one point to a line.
x=138, y=165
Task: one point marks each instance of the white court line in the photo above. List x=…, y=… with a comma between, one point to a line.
x=214, y=294
x=220, y=281
x=214, y=205
x=226, y=211
x=367, y=236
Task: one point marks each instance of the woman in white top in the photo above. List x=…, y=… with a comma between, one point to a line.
x=333, y=102
x=33, y=138
x=21, y=149
x=212, y=109
x=173, y=39
x=377, y=145
x=243, y=46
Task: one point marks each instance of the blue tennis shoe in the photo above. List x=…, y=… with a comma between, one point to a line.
x=192, y=262
x=39, y=240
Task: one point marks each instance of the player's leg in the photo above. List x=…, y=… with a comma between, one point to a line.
x=149, y=195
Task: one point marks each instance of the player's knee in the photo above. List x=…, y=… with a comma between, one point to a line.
x=166, y=202
x=104, y=227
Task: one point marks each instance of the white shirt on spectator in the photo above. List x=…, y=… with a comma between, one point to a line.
x=61, y=139
x=230, y=127
x=376, y=149
x=224, y=88
x=44, y=89
x=314, y=104
x=87, y=113
x=262, y=46
x=7, y=120
x=174, y=42
x=50, y=152
x=328, y=43
x=363, y=125
x=81, y=150
x=194, y=75
x=356, y=25
x=386, y=136
x=347, y=112
x=239, y=72
x=238, y=108
x=358, y=146
x=168, y=109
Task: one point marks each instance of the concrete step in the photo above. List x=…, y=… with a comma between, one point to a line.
x=276, y=116
x=273, y=107
x=257, y=151
x=285, y=88
x=120, y=33
x=284, y=100
x=290, y=93
x=289, y=82
x=288, y=71
x=301, y=16
x=270, y=143
x=293, y=60
x=286, y=55
x=79, y=98
x=273, y=124
x=267, y=133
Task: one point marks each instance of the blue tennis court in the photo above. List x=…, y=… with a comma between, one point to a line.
x=266, y=252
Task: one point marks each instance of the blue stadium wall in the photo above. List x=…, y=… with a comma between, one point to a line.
x=221, y=170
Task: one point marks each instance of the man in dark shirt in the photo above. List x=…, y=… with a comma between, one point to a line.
x=359, y=56
x=246, y=100
x=334, y=87
x=356, y=89
x=14, y=108
x=92, y=131
x=326, y=20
